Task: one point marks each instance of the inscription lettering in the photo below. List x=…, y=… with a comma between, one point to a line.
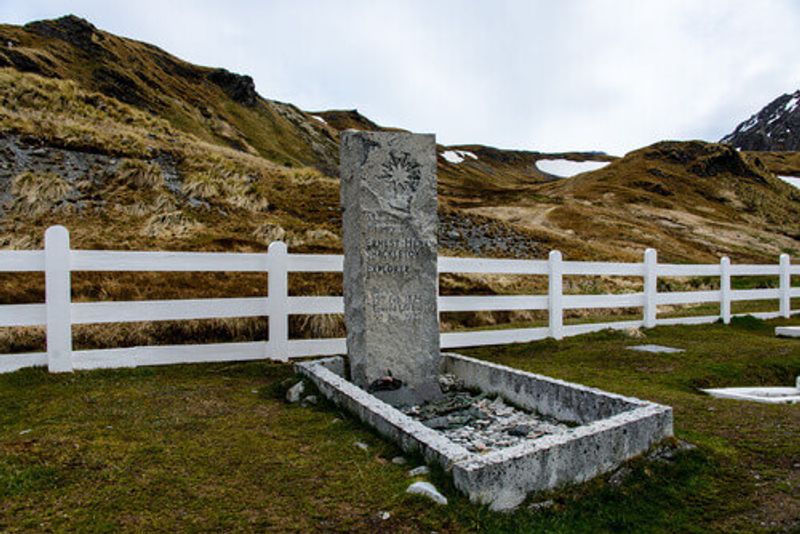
x=406, y=307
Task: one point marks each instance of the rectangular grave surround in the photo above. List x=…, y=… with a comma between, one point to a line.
x=609, y=429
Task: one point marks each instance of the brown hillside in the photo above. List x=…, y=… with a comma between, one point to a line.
x=782, y=163
x=212, y=104
x=691, y=200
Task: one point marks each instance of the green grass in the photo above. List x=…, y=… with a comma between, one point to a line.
x=212, y=448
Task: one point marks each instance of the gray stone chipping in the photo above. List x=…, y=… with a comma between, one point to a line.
x=481, y=423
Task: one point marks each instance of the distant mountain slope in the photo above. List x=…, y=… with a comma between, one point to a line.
x=774, y=128
x=690, y=200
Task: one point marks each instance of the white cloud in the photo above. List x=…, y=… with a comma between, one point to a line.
x=608, y=75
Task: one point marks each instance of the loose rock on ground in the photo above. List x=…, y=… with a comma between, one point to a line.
x=426, y=489
x=419, y=471
x=295, y=392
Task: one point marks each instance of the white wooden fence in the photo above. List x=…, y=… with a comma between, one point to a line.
x=59, y=313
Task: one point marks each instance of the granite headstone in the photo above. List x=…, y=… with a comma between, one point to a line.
x=388, y=196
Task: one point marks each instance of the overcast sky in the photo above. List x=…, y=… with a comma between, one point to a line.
x=609, y=75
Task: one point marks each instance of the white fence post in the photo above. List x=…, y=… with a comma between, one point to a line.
x=786, y=286
x=725, y=289
x=554, y=295
x=650, y=287
x=278, y=287
x=58, y=299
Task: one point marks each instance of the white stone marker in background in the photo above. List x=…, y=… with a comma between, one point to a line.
x=388, y=194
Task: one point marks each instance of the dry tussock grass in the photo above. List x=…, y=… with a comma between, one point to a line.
x=21, y=340
x=218, y=185
x=317, y=326
x=139, y=208
x=36, y=193
x=175, y=224
x=140, y=174
x=62, y=114
x=19, y=242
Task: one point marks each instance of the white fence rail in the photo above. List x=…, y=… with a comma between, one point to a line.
x=59, y=313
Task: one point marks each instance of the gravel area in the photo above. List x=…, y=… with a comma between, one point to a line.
x=479, y=422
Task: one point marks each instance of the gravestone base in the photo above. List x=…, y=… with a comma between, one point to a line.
x=604, y=431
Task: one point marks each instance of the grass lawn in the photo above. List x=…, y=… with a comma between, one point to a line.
x=212, y=448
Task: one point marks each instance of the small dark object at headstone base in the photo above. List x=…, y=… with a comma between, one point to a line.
x=385, y=383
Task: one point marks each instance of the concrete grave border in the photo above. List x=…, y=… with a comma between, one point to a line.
x=610, y=429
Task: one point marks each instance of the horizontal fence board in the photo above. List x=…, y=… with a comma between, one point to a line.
x=23, y=314
x=755, y=294
x=704, y=319
x=315, y=305
x=754, y=270
x=21, y=261
x=688, y=297
x=167, y=310
x=602, y=268
x=491, y=266
x=626, y=300
x=492, y=303
x=299, y=348
x=450, y=340
x=577, y=329
x=316, y=263
x=105, y=358
x=170, y=354
x=14, y=362
x=129, y=261
x=697, y=269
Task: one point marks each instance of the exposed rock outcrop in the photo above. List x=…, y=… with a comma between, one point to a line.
x=774, y=128
x=240, y=88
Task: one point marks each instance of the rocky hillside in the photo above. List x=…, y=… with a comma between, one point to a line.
x=212, y=104
x=774, y=128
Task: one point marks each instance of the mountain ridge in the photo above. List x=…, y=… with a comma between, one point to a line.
x=776, y=127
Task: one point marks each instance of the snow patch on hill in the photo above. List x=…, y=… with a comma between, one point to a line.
x=565, y=168
x=457, y=156
x=791, y=180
